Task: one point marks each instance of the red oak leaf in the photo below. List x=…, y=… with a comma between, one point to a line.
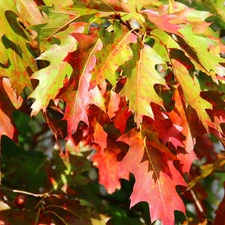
x=78, y=97
x=141, y=79
x=113, y=105
x=8, y=103
x=163, y=21
x=107, y=164
x=168, y=131
x=120, y=120
x=179, y=117
x=156, y=178
x=97, y=133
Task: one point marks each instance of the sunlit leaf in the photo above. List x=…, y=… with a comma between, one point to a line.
x=141, y=78
x=151, y=163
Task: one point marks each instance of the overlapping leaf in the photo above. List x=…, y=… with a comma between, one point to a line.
x=114, y=53
x=52, y=77
x=79, y=97
x=156, y=177
x=163, y=20
x=58, y=3
x=179, y=115
x=191, y=87
x=99, y=136
x=8, y=103
x=108, y=166
x=219, y=219
x=113, y=104
x=80, y=64
x=15, y=55
x=58, y=20
x=203, y=52
x=30, y=13
x=141, y=78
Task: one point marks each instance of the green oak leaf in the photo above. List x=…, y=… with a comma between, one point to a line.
x=190, y=85
x=115, y=52
x=141, y=78
x=51, y=78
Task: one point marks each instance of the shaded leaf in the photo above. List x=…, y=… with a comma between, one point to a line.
x=107, y=164
x=168, y=131
x=9, y=102
x=120, y=120
x=15, y=57
x=220, y=212
x=206, y=170
x=179, y=115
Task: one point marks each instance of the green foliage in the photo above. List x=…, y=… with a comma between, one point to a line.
x=106, y=101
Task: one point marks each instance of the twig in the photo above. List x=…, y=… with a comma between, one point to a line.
x=197, y=202
x=27, y=193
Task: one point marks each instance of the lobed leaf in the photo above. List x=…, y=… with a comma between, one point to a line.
x=79, y=97
x=210, y=61
x=59, y=20
x=163, y=20
x=114, y=53
x=8, y=104
x=179, y=116
x=16, y=58
x=156, y=178
x=191, y=88
x=30, y=13
x=108, y=166
x=51, y=78
x=141, y=78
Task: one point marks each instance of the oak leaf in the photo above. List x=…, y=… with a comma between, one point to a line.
x=163, y=20
x=51, y=78
x=156, y=177
x=114, y=53
x=141, y=78
x=191, y=87
x=210, y=61
x=108, y=166
x=9, y=102
x=179, y=116
x=15, y=55
x=79, y=96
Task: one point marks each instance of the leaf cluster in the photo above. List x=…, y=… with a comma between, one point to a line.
x=127, y=95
